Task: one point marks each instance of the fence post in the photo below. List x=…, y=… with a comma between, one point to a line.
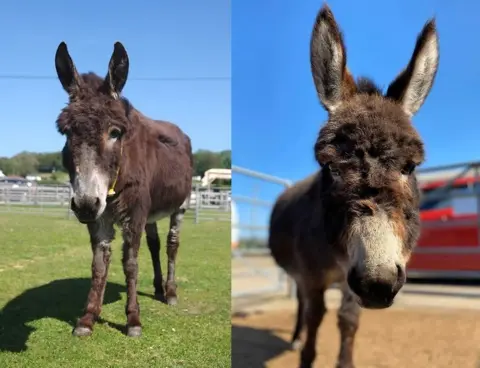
x=8, y=198
x=35, y=198
x=197, y=204
x=42, y=198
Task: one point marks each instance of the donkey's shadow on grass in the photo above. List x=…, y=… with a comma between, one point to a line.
x=63, y=300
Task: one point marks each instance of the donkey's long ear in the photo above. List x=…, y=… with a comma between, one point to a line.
x=412, y=85
x=328, y=60
x=66, y=71
x=117, y=70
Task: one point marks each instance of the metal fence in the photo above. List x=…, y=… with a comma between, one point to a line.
x=206, y=203
x=253, y=271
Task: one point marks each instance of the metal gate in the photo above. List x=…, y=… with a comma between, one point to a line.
x=253, y=269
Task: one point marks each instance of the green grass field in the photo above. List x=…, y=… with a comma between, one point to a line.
x=45, y=277
x=205, y=214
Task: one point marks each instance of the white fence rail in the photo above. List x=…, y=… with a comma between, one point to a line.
x=206, y=204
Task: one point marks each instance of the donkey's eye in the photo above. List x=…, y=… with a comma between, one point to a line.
x=408, y=168
x=115, y=133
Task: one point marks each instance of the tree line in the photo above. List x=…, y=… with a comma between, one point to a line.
x=28, y=163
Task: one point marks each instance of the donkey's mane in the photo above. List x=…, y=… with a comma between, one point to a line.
x=93, y=84
x=368, y=86
x=92, y=80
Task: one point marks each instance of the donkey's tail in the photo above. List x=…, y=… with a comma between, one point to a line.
x=186, y=203
x=296, y=343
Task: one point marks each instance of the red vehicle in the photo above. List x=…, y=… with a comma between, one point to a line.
x=449, y=244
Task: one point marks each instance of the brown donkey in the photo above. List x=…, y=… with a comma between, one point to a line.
x=356, y=221
x=125, y=169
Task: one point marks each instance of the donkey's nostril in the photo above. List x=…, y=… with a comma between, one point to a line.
x=97, y=202
x=401, y=275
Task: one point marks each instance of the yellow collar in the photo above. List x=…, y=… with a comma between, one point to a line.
x=111, y=191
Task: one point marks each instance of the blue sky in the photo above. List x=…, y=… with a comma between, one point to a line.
x=186, y=39
x=276, y=115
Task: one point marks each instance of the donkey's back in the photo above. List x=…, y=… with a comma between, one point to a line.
x=170, y=164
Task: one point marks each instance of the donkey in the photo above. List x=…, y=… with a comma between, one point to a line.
x=125, y=169
x=355, y=221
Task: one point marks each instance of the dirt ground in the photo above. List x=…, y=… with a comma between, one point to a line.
x=395, y=338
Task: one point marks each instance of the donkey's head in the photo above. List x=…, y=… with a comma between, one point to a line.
x=95, y=122
x=368, y=151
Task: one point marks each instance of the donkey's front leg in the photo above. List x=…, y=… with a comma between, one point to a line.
x=131, y=244
x=101, y=235
x=314, y=312
x=348, y=316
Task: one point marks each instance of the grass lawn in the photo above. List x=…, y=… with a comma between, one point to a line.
x=205, y=214
x=45, y=273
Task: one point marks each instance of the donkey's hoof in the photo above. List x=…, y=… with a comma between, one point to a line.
x=344, y=365
x=172, y=300
x=297, y=344
x=81, y=331
x=134, y=331
x=160, y=297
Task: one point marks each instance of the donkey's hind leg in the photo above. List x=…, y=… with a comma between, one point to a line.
x=314, y=312
x=153, y=241
x=173, y=242
x=348, y=316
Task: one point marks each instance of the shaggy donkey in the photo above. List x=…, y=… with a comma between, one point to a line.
x=125, y=169
x=355, y=221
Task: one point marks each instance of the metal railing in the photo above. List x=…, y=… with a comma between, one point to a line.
x=449, y=189
x=251, y=274
x=206, y=204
